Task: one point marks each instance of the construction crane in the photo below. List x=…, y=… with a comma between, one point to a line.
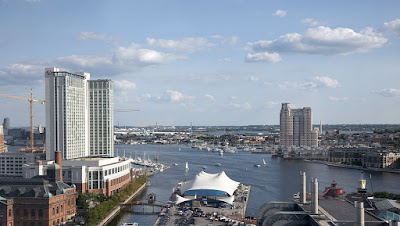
x=30, y=100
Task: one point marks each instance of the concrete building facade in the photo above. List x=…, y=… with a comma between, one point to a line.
x=101, y=117
x=2, y=147
x=296, y=127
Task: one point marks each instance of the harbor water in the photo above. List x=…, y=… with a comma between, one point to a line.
x=277, y=181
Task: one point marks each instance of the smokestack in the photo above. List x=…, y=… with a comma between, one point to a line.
x=59, y=163
x=320, y=127
x=314, y=196
x=302, y=187
x=359, y=213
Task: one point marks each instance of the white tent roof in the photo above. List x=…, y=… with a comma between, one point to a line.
x=206, y=181
x=228, y=199
x=180, y=199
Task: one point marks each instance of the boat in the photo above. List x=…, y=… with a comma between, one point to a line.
x=264, y=163
x=221, y=153
x=187, y=166
x=218, y=164
x=257, y=165
x=175, y=164
x=130, y=224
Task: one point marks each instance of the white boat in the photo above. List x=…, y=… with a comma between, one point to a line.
x=187, y=166
x=257, y=165
x=130, y=224
x=175, y=164
x=221, y=153
x=264, y=163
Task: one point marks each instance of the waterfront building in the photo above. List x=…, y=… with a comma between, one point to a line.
x=105, y=175
x=2, y=147
x=365, y=157
x=296, y=127
x=101, y=118
x=210, y=188
x=67, y=114
x=43, y=200
x=79, y=115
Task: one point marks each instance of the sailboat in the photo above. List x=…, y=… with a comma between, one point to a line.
x=187, y=166
x=264, y=163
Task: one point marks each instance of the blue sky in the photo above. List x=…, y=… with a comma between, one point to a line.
x=209, y=62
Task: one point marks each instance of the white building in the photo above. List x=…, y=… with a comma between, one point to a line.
x=11, y=163
x=67, y=114
x=101, y=118
x=296, y=127
x=79, y=115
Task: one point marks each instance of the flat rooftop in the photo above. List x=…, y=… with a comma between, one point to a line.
x=343, y=210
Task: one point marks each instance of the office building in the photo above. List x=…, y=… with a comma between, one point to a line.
x=11, y=163
x=79, y=115
x=296, y=127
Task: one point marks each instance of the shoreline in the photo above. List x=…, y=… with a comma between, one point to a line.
x=354, y=167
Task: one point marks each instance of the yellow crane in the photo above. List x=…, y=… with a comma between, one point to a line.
x=30, y=100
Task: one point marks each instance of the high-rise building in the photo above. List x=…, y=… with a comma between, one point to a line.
x=101, y=118
x=2, y=147
x=6, y=126
x=296, y=127
x=79, y=120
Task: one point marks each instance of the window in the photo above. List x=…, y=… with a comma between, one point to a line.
x=57, y=209
x=40, y=214
x=33, y=214
x=61, y=208
x=25, y=212
x=9, y=212
x=53, y=211
x=32, y=223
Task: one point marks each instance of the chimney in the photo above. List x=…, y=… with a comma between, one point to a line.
x=59, y=163
x=314, y=196
x=359, y=213
x=302, y=187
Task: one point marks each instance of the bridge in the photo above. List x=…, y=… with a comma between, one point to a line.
x=150, y=201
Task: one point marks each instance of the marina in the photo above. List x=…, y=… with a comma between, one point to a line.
x=277, y=181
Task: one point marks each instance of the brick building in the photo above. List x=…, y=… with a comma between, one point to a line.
x=39, y=201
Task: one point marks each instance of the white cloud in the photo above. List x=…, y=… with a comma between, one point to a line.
x=310, y=22
x=312, y=85
x=88, y=35
x=298, y=85
x=26, y=69
x=337, y=99
x=393, y=26
x=184, y=45
x=244, y=106
x=226, y=40
x=253, y=78
x=134, y=55
x=227, y=60
x=271, y=104
x=124, y=84
x=209, y=97
x=84, y=61
x=263, y=57
x=323, y=40
x=280, y=13
x=327, y=81
x=172, y=96
x=390, y=92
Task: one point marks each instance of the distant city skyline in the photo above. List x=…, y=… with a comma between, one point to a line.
x=210, y=63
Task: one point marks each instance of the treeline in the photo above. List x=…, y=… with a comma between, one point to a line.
x=386, y=195
x=95, y=215
x=387, y=131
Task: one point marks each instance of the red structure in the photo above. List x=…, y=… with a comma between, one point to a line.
x=333, y=190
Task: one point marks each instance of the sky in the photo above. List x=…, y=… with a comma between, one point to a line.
x=226, y=62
